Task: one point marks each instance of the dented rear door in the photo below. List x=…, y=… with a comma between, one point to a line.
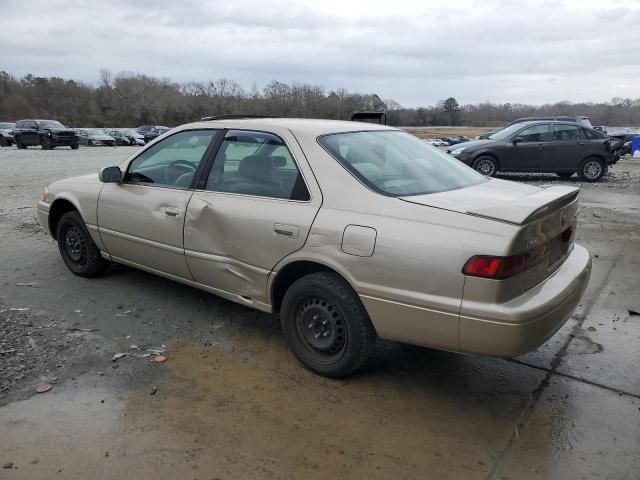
x=247, y=218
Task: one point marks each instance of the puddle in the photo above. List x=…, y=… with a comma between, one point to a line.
x=249, y=411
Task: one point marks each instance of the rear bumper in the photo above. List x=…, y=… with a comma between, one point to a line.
x=526, y=322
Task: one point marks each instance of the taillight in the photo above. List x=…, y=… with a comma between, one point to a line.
x=499, y=268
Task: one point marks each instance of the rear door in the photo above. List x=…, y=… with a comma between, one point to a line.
x=254, y=207
x=569, y=147
x=530, y=152
x=141, y=219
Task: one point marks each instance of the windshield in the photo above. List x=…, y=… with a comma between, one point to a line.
x=51, y=124
x=507, y=131
x=7, y=125
x=398, y=164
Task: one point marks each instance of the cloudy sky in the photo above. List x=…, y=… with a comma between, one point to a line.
x=415, y=52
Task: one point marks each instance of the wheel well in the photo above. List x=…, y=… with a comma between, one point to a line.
x=290, y=274
x=594, y=155
x=57, y=210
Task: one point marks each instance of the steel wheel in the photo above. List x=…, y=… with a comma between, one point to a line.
x=75, y=246
x=321, y=328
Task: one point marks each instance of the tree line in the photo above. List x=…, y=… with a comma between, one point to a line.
x=130, y=99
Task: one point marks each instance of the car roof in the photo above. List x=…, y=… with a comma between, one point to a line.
x=305, y=126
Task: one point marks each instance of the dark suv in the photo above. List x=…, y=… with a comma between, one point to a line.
x=560, y=147
x=46, y=133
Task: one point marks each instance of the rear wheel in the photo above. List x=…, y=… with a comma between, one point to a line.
x=565, y=174
x=76, y=247
x=487, y=166
x=591, y=169
x=326, y=326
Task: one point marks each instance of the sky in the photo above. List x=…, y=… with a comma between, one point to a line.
x=415, y=52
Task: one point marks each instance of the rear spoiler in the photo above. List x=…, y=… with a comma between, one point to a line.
x=531, y=207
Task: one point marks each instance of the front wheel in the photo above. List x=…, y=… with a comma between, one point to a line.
x=487, y=166
x=75, y=147
x=76, y=247
x=326, y=326
x=46, y=143
x=591, y=169
x=20, y=145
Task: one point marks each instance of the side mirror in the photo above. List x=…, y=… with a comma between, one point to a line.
x=110, y=175
x=517, y=140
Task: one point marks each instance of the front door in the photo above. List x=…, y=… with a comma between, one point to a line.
x=255, y=209
x=529, y=150
x=141, y=219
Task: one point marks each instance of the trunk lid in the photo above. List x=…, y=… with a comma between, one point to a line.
x=545, y=219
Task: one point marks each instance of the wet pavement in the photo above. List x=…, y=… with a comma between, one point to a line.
x=231, y=402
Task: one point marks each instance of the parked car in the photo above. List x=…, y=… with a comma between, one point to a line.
x=551, y=146
x=120, y=137
x=422, y=249
x=48, y=134
x=94, y=137
x=436, y=142
x=6, y=134
x=455, y=140
x=155, y=133
x=581, y=119
x=134, y=137
x=145, y=128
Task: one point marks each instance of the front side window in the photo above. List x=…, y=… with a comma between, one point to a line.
x=566, y=132
x=398, y=164
x=172, y=162
x=256, y=163
x=537, y=133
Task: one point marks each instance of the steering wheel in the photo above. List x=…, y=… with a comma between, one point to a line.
x=176, y=169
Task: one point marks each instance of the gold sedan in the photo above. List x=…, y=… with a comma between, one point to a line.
x=351, y=231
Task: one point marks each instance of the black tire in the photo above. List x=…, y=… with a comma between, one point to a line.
x=326, y=326
x=4, y=143
x=591, y=169
x=486, y=165
x=565, y=174
x=46, y=143
x=20, y=145
x=75, y=147
x=91, y=143
x=77, y=249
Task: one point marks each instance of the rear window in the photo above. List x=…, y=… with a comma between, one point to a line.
x=398, y=164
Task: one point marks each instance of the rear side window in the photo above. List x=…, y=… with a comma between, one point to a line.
x=566, y=132
x=256, y=163
x=398, y=164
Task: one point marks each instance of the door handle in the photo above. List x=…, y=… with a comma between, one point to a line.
x=171, y=212
x=282, y=230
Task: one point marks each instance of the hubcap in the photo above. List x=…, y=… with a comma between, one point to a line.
x=485, y=167
x=592, y=169
x=321, y=327
x=74, y=245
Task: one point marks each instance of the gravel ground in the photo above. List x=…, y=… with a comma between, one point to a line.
x=560, y=412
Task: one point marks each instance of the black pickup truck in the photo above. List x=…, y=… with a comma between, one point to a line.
x=46, y=133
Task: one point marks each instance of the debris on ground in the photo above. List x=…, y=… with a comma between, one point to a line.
x=153, y=390
x=591, y=329
x=8, y=465
x=118, y=356
x=160, y=359
x=43, y=387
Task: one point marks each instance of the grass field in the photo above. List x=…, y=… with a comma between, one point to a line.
x=434, y=132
